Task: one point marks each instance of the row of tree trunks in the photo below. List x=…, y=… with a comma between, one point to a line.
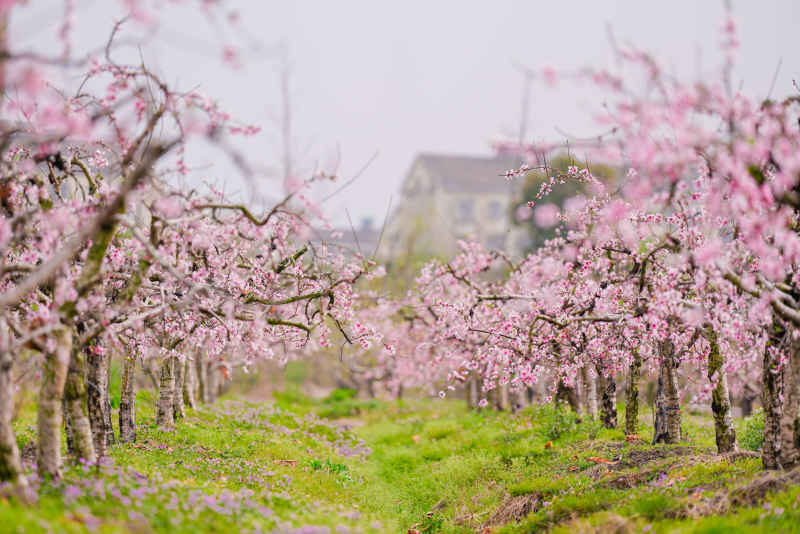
x=720, y=397
x=474, y=388
x=79, y=433
x=49, y=416
x=667, y=420
x=10, y=461
x=632, y=395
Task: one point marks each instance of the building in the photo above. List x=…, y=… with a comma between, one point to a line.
x=445, y=198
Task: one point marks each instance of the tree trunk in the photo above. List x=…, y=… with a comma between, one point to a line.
x=127, y=402
x=502, y=402
x=772, y=399
x=10, y=461
x=109, y=425
x=473, y=391
x=590, y=392
x=608, y=404
x=746, y=401
x=212, y=382
x=189, y=384
x=49, y=416
x=177, y=401
x=568, y=394
x=720, y=397
x=632, y=395
x=790, y=421
x=165, y=417
x=97, y=380
x=200, y=373
x=667, y=424
x=79, y=431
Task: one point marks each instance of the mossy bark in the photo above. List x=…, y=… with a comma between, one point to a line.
x=667, y=424
x=49, y=416
x=632, y=395
x=180, y=377
x=79, y=442
x=127, y=402
x=10, y=461
x=720, y=397
x=608, y=399
x=165, y=416
x=772, y=398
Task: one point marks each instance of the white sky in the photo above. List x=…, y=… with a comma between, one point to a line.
x=397, y=78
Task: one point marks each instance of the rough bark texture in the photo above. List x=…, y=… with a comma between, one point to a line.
x=165, y=416
x=590, y=392
x=632, y=395
x=473, y=391
x=177, y=401
x=189, y=384
x=771, y=399
x=790, y=421
x=97, y=381
x=568, y=394
x=49, y=416
x=10, y=461
x=608, y=403
x=79, y=432
x=720, y=397
x=127, y=404
x=667, y=425
x=200, y=373
x=109, y=425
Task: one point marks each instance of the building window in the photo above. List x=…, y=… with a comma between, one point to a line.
x=465, y=209
x=495, y=209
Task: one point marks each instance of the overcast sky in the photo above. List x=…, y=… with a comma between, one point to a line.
x=405, y=77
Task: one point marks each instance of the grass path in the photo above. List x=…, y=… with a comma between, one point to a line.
x=426, y=465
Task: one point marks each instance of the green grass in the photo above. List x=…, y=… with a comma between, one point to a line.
x=424, y=464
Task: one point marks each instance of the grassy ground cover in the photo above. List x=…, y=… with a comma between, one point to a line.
x=342, y=465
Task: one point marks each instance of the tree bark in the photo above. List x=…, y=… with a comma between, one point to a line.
x=109, y=425
x=200, y=373
x=720, y=397
x=212, y=382
x=771, y=399
x=189, y=384
x=667, y=424
x=127, y=402
x=632, y=395
x=177, y=401
x=79, y=432
x=502, y=402
x=165, y=417
x=790, y=420
x=747, y=398
x=97, y=380
x=608, y=404
x=49, y=416
x=10, y=461
x=568, y=394
x=590, y=392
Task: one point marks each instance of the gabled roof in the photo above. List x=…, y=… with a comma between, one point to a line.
x=467, y=174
